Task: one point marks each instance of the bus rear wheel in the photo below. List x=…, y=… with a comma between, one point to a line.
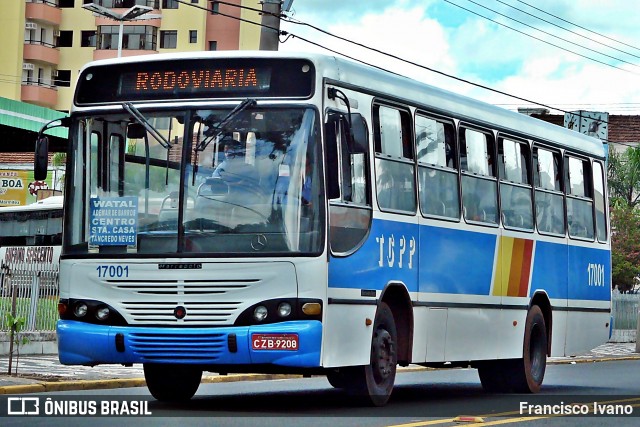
x=523, y=375
x=492, y=376
x=528, y=372
x=373, y=383
x=172, y=383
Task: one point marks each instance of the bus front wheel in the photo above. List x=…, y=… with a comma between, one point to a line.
x=373, y=383
x=338, y=379
x=172, y=383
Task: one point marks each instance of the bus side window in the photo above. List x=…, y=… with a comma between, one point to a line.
x=394, y=159
x=437, y=167
x=515, y=185
x=479, y=184
x=549, y=198
x=579, y=198
x=598, y=197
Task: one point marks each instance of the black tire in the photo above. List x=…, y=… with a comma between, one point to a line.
x=172, y=383
x=337, y=378
x=492, y=376
x=373, y=383
x=528, y=372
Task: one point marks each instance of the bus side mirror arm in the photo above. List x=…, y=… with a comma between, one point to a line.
x=41, y=156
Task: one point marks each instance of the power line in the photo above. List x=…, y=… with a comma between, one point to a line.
x=537, y=38
x=297, y=22
x=568, y=30
x=548, y=33
x=579, y=26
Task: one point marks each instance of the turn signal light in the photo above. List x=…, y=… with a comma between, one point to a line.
x=312, y=309
x=62, y=308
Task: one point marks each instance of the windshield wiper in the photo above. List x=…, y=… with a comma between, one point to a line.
x=144, y=122
x=217, y=129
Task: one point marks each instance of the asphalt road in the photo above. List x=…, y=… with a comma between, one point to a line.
x=420, y=399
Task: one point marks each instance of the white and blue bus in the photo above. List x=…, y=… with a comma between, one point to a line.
x=300, y=213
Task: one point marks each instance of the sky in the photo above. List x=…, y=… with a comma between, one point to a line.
x=566, y=54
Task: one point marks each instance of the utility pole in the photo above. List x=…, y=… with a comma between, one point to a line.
x=270, y=32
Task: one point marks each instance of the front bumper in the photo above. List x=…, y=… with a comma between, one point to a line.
x=82, y=343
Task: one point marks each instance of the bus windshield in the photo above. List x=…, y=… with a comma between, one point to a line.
x=243, y=181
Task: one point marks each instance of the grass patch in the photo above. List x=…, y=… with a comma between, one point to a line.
x=46, y=312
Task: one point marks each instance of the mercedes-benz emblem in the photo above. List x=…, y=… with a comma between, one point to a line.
x=259, y=242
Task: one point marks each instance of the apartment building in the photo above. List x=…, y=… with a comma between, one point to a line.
x=46, y=42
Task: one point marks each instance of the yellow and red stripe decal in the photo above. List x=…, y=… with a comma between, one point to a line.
x=513, y=267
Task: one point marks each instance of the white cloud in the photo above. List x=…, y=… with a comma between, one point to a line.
x=443, y=37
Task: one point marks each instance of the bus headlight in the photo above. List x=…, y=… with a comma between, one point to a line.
x=80, y=310
x=284, y=309
x=102, y=313
x=260, y=313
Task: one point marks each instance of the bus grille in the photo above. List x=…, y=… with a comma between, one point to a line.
x=198, y=312
x=186, y=347
x=182, y=287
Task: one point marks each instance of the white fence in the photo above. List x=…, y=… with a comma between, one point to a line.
x=624, y=310
x=29, y=291
x=624, y=317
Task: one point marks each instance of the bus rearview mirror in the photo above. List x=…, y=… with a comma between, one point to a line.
x=41, y=159
x=359, y=134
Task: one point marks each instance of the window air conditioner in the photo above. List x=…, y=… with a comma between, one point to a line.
x=31, y=26
x=56, y=33
x=27, y=66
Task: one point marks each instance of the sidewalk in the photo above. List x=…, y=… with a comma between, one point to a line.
x=45, y=373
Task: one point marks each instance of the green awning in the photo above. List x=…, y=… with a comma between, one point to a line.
x=29, y=117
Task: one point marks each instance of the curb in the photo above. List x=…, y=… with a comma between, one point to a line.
x=591, y=360
x=52, y=386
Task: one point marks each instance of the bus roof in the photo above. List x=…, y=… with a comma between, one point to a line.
x=350, y=73
x=53, y=202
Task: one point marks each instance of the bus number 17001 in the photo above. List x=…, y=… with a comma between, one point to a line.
x=596, y=274
x=112, y=271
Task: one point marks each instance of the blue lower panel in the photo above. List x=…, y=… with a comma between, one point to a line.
x=87, y=344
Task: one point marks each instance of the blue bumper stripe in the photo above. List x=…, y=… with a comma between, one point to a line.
x=88, y=344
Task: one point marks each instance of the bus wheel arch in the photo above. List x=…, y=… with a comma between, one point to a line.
x=396, y=296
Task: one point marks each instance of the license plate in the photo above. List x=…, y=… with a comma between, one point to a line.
x=274, y=342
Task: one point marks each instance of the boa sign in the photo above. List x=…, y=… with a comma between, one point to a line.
x=17, y=187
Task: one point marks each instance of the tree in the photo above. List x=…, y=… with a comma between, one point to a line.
x=624, y=177
x=625, y=246
x=624, y=195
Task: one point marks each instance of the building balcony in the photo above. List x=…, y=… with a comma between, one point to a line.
x=41, y=94
x=113, y=53
x=35, y=51
x=43, y=11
